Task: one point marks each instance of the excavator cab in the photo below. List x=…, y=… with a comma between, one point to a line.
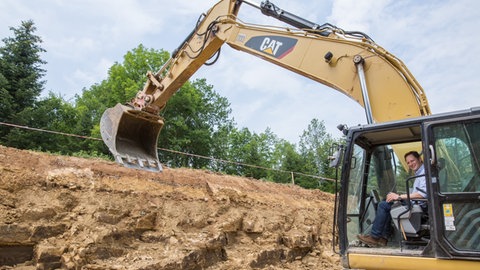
x=131, y=136
x=448, y=232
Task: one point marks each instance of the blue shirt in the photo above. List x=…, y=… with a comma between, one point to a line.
x=420, y=182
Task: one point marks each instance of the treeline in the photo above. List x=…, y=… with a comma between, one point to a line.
x=198, y=119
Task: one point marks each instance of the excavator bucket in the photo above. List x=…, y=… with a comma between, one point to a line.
x=131, y=135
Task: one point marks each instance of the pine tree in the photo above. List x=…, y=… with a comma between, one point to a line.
x=20, y=70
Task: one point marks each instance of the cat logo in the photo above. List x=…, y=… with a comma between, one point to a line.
x=276, y=46
x=270, y=46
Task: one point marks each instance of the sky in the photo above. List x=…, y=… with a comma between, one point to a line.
x=436, y=39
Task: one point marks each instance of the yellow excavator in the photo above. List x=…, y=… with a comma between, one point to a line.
x=398, y=120
x=346, y=61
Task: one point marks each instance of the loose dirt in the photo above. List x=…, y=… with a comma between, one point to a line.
x=60, y=212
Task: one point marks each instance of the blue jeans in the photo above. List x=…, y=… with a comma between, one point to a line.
x=382, y=223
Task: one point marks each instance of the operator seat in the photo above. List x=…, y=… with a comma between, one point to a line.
x=412, y=222
x=408, y=221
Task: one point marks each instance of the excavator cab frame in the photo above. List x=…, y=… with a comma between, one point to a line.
x=450, y=146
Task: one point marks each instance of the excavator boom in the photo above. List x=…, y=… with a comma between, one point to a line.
x=349, y=62
x=131, y=130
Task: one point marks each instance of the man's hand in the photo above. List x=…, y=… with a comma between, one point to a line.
x=393, y=197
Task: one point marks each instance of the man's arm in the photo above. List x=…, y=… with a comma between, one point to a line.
x=414, y=195
x=395, y=197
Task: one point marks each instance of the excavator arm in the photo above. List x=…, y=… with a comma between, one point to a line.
x=349, y=62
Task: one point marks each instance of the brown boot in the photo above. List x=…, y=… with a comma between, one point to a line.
x=372, y=241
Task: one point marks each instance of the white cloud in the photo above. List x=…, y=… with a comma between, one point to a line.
x=91, y=76
x=357, y=15
x=435, y=39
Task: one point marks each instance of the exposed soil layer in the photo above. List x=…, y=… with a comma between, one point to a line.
x=60, y=212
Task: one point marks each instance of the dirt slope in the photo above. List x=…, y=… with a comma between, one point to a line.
x=61, y=212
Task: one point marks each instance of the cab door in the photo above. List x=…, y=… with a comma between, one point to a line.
x=454, y=166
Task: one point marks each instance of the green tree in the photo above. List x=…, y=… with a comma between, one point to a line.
x=123, y=82
x=20, y=70
x=314, y=144
x=6, y=101
x=262, y=148
x=196, y=117
x=291, y=161
x=282, y=154
x=51, y=113
x=220, y=149
x=20, y=73
x=238, y=139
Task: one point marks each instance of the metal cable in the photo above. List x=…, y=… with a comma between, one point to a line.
x=169, y=150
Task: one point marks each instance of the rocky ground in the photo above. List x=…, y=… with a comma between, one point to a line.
x=60, y=212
